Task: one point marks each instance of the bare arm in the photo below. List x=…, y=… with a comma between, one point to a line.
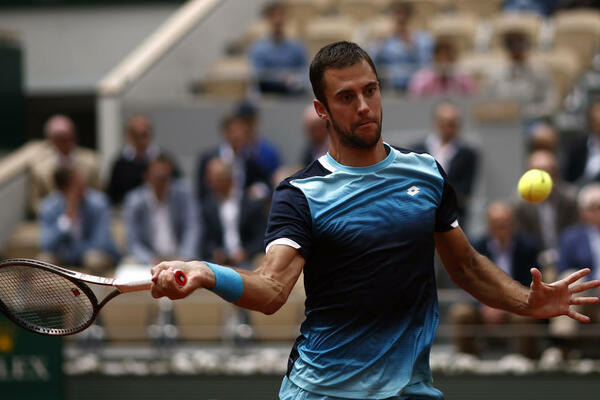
x=266, y=288
x=489, y=284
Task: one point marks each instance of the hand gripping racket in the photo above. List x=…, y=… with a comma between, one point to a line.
x=55, y=301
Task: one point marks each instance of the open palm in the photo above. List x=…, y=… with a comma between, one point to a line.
x=548, y=300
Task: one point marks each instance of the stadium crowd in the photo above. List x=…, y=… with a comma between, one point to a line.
x=222, y=216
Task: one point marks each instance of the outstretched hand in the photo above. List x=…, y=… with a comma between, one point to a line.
x=548, y=300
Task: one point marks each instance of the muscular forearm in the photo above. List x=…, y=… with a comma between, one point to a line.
x=490, y=285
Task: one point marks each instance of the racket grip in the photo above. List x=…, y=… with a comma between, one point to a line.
x=180, y=277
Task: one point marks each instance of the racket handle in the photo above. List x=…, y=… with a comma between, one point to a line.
x=180, y=277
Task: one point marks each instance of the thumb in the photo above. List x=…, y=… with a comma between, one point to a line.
x=536, y=277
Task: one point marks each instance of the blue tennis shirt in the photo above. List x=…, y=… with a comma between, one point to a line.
x=366, y=234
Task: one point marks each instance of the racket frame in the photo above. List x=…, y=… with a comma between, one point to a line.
x=78, y=279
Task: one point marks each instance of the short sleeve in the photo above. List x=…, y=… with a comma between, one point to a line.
x=290, y=221
x=446, y=214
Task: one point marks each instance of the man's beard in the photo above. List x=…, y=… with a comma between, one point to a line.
x=353, y=140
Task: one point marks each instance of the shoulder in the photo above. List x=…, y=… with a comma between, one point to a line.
x=417, y=158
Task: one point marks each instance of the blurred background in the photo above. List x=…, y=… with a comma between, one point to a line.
x=139, y=131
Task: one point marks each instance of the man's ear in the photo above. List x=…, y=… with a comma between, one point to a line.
x=321, y=110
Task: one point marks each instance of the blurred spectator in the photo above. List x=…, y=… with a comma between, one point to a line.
x=521, y=81
x=247, y=173
x=161, y=216
x=75, y=224
x=63, y=151
x=580, y=244
x=442, y=78
x=265, y=153
x=543, y=136
x=515, y=254
x=407, y=50
x=279, y=63
x=234, y=226
x=546, y=220
x=583, y=155
x=127, y=171
x=580, y=248
x=316, y=134
x=542, y=7
x=458, y=159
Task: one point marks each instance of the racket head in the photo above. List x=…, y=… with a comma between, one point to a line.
x=44, y=298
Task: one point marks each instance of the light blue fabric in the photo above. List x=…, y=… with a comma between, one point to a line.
x=184, y=216
x=274, y=61
x=228, y=282
x=95, y=228
x=371, y=304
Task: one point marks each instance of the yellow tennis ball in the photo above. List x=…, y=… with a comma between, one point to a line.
x=535, y=185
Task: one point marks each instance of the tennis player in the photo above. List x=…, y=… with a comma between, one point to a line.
x=363, y=222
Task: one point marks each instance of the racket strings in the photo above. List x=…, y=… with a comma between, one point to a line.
x=43, y=299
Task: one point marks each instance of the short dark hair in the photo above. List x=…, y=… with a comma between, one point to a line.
x=272, y=6
x=335, y=55
x=62, y=177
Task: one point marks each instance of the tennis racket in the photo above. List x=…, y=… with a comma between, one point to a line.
x=56, y=301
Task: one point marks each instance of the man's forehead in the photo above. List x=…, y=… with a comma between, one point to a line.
x=360, y=73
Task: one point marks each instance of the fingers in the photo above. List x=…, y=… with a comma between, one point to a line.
x=157, y=269
x=578, y=301
x=581, y=287
x=578, y=316
x=575, y=276
x=536, y=277
x=165, y=284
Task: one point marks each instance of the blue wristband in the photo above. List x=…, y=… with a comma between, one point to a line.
x=228, y=283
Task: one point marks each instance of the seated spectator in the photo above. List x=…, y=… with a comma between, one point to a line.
x=247, y=173
x=279, y=63
x=316, y=135
x=515, y=254
x=234, y=227
x=583, y=154
x=580, y=247
x=457, y=158
x=442, y=78
x=580, y=244
x=520, y=81
x=407, y=50
x=259, y=149
x=127, y=170
x=161, y=217
x=75, y=225
x=546, y=220
x=63, y=151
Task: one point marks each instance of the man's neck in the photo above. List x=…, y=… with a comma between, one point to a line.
x=353, y=157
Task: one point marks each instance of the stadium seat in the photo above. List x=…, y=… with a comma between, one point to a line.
x=483, y=9
x=563, y=66
x=361, y=10
x=527, y=23
x=260, y=28
x=302, y=11
x=200, y=316
x=578, y=30
x=378, y=28
x=477, y=65
x=126, y=317
x=324, y=30
x=425, y=9
x=228, y=78
x=458, y=28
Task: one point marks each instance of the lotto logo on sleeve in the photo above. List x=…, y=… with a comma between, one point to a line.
x=413, y=190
